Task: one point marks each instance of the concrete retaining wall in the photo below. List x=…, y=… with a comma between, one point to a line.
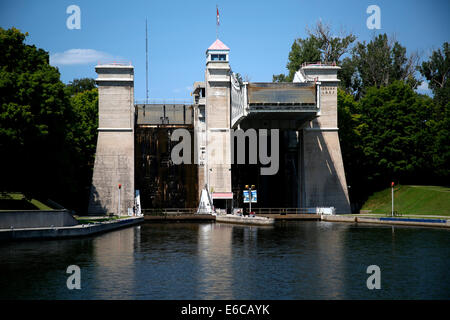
x=184, y=217
x=245, y=220
x=389, y=221
x=338, y=218
x=405, y=222
x=288, y=216
x=36, y=219
x=67, y=232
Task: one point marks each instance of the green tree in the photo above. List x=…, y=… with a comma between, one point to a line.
x=84, y=130
x=441, y=145
x=33, y=109
x=379, y=63
x=392, y=133
x=332, y=48
x=302, y=50
x=349, y=119
x=396, y=128
x=348, y=76
x=320, y=45
x=82, y=135
x=48, y=130
x=80, y=85
x=437, y=71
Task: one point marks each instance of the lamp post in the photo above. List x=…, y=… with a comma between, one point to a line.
x=250, y=187
x=392, y=195
x=118, y=211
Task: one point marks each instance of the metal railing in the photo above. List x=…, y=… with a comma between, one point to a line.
x=319, y=63
x=116, y=63
x=258, y=211
x=164, y=101
x=169, y=211
x=284, y=211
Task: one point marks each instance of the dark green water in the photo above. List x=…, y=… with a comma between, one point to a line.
x=304, y=260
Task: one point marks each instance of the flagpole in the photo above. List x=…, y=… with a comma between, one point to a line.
x=217, y=22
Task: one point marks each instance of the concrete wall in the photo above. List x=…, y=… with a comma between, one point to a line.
x=200, y=134
x=322, y=174
x=36, y=219
x=218, y=167
x=114, y=158
x=68, y=232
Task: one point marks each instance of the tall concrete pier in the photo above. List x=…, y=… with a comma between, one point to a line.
x=218, y=152
x=114, y=159
x=322, y=176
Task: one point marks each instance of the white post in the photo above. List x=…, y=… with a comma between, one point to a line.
x=392, y=194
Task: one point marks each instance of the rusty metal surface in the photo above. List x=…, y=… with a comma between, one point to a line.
x=287, y=93
x=162, y=183
x=173, y=114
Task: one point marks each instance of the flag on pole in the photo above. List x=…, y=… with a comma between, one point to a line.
x=218, y=21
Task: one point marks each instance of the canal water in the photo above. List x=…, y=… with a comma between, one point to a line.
x=294, y=260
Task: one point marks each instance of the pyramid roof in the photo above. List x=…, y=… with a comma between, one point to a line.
x=218, y=45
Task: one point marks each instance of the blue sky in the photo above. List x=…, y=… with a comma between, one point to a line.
x=259, y=33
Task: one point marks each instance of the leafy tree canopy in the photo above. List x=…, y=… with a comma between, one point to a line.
x=437, y=71
x=47, y=129
x=378, y=63
x=80, y=85
x=320, y=45
x=33, y=109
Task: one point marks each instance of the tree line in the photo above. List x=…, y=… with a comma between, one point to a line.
x=388, y=131
x=48, y=130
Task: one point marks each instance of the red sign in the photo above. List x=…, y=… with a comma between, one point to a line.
x=222, y=195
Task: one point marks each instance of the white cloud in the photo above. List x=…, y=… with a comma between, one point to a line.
x=424, y=89
x=423, y=86
x=79, y=56
x=179, y=90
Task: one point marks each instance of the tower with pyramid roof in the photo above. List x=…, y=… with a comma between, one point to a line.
x=217, y=114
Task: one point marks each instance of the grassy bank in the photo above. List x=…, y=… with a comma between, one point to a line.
x=410, y=199
x=17, y=201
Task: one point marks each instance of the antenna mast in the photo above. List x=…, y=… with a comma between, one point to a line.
x=146, y=63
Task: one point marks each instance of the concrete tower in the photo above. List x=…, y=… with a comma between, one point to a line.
x=322, y=175
x=114, y=158
x=218, y=152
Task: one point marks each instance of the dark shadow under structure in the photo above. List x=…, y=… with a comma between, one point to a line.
x=274, y=191
x=162, y=183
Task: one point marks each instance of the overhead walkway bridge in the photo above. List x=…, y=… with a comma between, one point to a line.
x=273, y=105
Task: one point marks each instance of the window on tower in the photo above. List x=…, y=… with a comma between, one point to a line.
x=218, y=57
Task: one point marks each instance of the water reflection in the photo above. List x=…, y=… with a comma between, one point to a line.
x=295, y=260
x=226, y=259
x=114, y=264
x=215, y=261
x=331, y=266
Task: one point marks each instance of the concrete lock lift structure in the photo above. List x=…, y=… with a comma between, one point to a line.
x=134, y=145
